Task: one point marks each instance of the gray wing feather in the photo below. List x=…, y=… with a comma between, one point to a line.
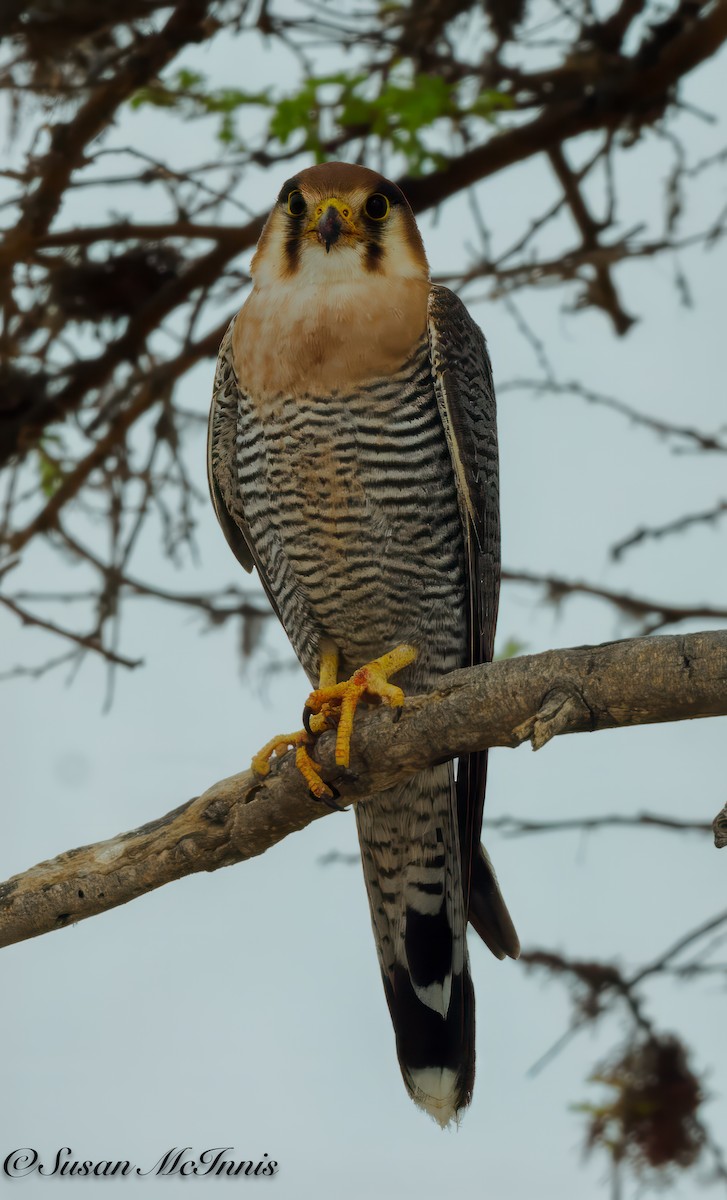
x=221, y=454
x=466, y=399
x=222, y=468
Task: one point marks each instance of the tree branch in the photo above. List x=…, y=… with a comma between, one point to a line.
x=654, y=532
x=515, y=827
x=83, y=641
x=602, y=288
x=696, y=439
x=150, y=391
x=607, y=106
x=186, y=24
x=127, y=231
x=635, y=607
x=634, y=682
x=642, y=87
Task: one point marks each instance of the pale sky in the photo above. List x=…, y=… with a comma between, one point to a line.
x=244, y=1008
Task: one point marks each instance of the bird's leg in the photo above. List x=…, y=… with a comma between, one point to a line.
x=338, y=701
x=325, y=717
x=280, y=745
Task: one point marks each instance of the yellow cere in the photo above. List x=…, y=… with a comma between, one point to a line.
x=341, y=206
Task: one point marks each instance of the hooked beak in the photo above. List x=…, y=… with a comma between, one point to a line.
x=329, y=227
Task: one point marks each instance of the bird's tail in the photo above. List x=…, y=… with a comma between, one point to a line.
x=411, y=862
x=488, y=912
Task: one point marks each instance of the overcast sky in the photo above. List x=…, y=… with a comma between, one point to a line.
x=244, y=1008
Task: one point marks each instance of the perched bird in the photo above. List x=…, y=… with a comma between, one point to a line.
x=353, y=461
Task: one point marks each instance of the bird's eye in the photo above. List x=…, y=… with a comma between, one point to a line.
x=377, y=207
x=296, y=204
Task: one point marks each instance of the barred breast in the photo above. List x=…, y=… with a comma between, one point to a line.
x=351, y=505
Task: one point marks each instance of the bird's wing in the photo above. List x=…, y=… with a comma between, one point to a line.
x=221, y=454
x=466, y=398
x=222, y=471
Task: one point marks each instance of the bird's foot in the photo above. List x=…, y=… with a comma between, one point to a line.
x=336, y=703
x=299, y=742
x=333, y=705
x=304, y=738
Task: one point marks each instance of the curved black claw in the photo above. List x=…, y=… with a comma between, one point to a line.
x=330, y=802
x=307, y=714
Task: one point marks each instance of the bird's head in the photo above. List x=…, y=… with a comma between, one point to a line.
x=340, y=286
x=336, y=222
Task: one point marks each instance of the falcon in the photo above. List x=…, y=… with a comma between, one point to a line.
x=353, y=462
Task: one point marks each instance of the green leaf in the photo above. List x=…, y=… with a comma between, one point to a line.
x=49, y=471
x=157, y=96
x=489, y=102
x=187, y=91
x=186, y=80
x=398, y=109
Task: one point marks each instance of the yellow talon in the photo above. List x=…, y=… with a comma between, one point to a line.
x=332, y=704
x=305, y=737
x=323, y=720
x=307, y=768
x=278, y=745
x=371, y=681
x=303, y=761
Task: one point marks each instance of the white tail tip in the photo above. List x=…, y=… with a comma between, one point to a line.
x=435, y=1090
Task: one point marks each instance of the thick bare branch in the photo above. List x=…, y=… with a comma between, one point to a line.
x=634, y=682
x=126, y=231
